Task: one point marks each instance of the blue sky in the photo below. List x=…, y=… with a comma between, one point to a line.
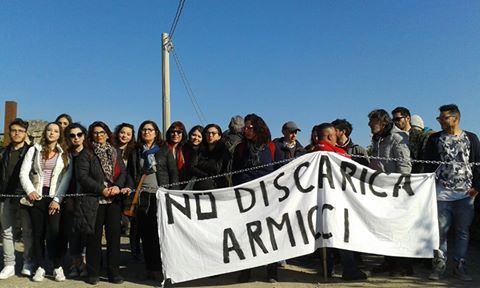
x=306, y=61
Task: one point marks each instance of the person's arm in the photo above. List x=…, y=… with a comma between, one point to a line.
x=83, y=165
x=401, y=151
x=64, y=182
x=24, y=175
x=172, y=170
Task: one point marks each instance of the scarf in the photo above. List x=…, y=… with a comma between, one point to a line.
x=106, y=155
x=148, y=155
x=253, y=151
x=178, y=157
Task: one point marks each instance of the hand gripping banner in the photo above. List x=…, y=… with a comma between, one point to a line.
x=318, y=200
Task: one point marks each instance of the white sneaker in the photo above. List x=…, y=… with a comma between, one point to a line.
x=39, y=275
x=58, y=274
x=7, y=272
x=27, y=270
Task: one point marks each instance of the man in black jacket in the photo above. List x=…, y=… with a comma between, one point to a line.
x=290, y=146
x=458, y=182
x=10, y=162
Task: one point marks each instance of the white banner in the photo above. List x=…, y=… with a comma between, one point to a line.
x=318, y=200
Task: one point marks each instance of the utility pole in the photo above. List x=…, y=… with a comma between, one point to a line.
x=166, y=82
x=10, y=114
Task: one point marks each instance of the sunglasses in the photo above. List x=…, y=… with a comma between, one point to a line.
x=176, y=132
x=73, y=135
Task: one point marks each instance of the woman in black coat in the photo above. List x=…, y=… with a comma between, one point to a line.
x=154, y=159
x=101, y=173
x=212, y=159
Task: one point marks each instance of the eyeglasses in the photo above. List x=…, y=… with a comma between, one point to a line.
x=249, y=127
x=179, y=132
x=397, y=119
x=445, y=118
x=211, y=133
x=98, y=133
x=18, y=131
x=147, y=130
x=78, y=135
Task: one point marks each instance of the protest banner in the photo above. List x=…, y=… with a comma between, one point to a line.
x=318, y=200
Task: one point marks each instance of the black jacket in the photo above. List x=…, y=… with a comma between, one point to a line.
x=167, y=172
x=431, y=153
x=210, y=163
x=4, y=158
x=91, y=179
x=287, y=154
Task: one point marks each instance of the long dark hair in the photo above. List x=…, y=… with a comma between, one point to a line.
x=67, y=135
x=158, y=138
x=177, y=125
x=204, y=140
x=130, y=144
x=198, y=128
x=261, y=129
x=104, y=127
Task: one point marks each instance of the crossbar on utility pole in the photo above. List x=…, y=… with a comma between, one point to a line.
x=165, y=82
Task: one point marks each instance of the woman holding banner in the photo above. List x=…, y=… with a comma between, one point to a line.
x=255, y=150
x=151, y=165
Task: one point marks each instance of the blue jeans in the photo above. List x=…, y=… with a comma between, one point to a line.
x=460, y=213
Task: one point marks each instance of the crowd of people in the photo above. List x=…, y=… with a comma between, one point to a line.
x=79, y=184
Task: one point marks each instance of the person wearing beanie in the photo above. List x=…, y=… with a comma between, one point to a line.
x=417, y=122
x=234, y=134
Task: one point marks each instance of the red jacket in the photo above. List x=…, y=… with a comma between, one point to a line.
x=324, y=145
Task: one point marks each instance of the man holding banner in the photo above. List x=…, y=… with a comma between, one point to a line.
x=327, y=137
x=458, y=182
x=391, y=145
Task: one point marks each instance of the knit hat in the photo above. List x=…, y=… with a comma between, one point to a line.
x=416, y=121
x=236, y=124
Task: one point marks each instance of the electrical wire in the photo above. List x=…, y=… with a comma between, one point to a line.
x=188, y=88
x=181, y=3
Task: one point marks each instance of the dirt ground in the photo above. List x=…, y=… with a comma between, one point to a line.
x=295, y=274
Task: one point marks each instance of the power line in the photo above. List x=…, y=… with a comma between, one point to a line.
x=186, y=83
x=181, y=3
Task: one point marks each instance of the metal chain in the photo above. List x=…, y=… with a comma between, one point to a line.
x=264, y=166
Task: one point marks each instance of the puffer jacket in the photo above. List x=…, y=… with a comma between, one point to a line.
x=393, y=144
x=31, y=174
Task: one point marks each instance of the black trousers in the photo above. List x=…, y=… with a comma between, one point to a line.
x=108, y=215
x=148, y=230
x=135, y=247
x=68, y=238
x=45, y=227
